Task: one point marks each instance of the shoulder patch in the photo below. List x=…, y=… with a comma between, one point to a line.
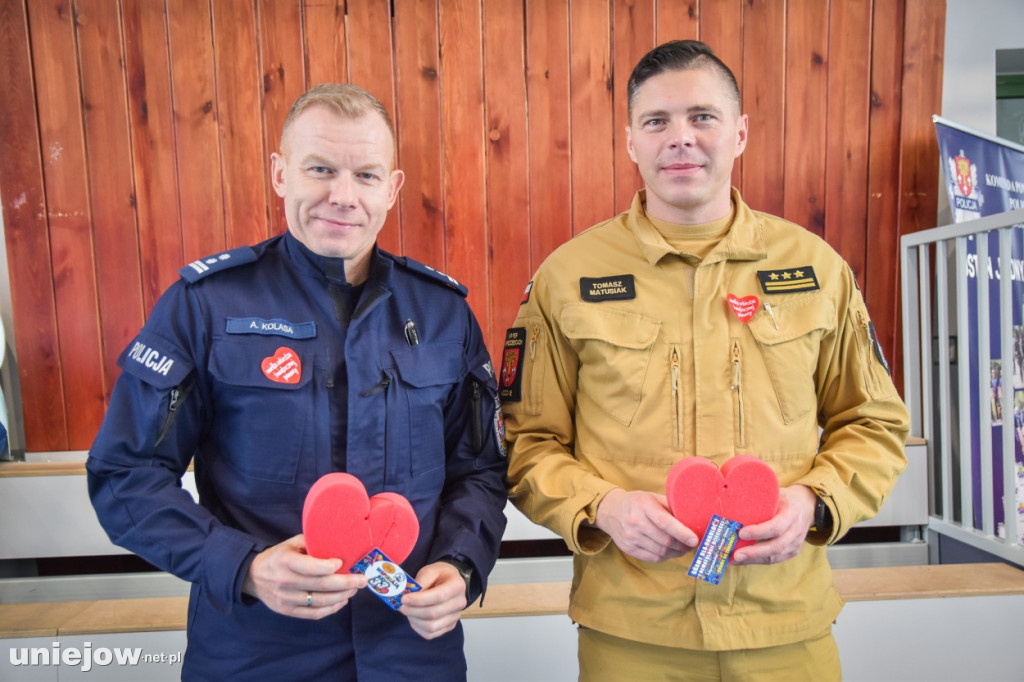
x=198, y=269
x=789, y=280
x=510, y=388
x=433, y=274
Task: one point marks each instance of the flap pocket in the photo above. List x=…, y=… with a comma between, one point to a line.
x=789, y=339
x=260, y=363
x=614, y=348
x=621, y=328
x=793, y=319
x=429, y=364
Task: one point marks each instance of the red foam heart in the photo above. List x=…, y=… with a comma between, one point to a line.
x=745, y=490
x=339, y=520
x=743, y=307
x=284, y=366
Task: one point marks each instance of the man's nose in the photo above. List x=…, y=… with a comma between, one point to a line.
x=680, y=134
x=343, y=190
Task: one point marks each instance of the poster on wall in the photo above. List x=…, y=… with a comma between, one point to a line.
x=984, y=176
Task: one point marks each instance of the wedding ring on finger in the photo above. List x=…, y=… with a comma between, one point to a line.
x=309, y=599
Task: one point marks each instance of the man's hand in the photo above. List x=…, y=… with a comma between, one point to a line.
x=782, y=536
x=640, y=524
x=436, y=608
x=283, y=577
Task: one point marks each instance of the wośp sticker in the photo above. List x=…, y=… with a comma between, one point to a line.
x=385, y=578
x=715, y=550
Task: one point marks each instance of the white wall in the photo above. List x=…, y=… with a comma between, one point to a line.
x=975, y=29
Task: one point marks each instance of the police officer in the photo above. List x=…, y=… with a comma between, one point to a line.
x=692, y=326
x=270, y=366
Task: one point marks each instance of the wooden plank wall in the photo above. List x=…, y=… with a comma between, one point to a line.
x=135, y=134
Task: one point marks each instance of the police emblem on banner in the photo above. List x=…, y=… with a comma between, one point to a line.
x=964, y=192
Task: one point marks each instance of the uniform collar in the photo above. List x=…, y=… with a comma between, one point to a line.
x=333, y=269
x=743, y=241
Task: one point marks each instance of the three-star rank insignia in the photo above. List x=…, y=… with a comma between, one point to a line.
x=788, y=281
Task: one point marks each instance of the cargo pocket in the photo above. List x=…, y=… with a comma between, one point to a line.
x=790, y=342
x=426, y=374
x=614, y=348
x=264, y=392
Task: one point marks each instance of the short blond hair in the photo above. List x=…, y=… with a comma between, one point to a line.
x=344, y=99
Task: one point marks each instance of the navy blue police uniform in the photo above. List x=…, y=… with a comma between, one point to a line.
x=267, y=370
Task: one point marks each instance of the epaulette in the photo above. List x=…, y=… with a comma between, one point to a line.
x=197, y=269
x=431, y=273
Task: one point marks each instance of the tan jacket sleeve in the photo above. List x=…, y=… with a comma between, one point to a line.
x=864, y=422
x=546, y=480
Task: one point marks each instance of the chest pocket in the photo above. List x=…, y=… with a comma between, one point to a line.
x=426, y=374
x=262, y=425
x=791, y=351
x=614, y=348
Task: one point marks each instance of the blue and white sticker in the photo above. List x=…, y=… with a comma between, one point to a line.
x=385, y=578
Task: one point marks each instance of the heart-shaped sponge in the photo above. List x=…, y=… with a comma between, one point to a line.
x=746, y=490
x=340, y=521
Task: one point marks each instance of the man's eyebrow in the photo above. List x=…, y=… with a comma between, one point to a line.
x=315, y=159
x=695, y=109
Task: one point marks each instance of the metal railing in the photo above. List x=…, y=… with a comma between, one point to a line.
x=943, y=308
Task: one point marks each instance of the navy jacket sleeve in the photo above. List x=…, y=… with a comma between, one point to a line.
x=472, y=520
x=155, y=420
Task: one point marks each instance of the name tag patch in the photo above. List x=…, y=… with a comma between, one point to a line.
x=614, y=288
x=257, y=325
x=789, y=280
x=510, y=385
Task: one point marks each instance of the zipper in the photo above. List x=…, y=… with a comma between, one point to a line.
x=175, y=399
x=869, y=350
x=474, y=415
x=738, y=390
x=676, y=398
x=385, y=381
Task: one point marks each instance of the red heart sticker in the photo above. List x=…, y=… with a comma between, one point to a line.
x=340, y=521
x=283, y=366
x=743, y=307
x=746, y=490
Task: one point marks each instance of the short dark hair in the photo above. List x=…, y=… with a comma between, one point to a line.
x=344, y=99
x=679, y=55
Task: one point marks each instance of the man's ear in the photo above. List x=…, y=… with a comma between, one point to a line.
x=629, y=143
x=277, y=168
x=397, y=180
x=741, y=134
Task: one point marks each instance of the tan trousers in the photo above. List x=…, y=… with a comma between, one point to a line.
x=604, y=658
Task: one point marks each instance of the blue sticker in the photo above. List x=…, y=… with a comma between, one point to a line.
x=385, y=578
x=715, y=550
x=257, y=325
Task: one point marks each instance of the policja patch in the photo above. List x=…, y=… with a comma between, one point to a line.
x=614, y=288
x=788, y=281
x=510, y=383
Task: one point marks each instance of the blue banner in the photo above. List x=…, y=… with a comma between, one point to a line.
x=984, y=176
